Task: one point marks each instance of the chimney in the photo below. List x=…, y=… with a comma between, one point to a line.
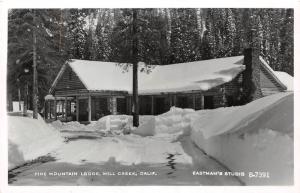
x=251, y=75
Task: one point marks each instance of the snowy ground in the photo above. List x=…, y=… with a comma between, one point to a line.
x=173, y=146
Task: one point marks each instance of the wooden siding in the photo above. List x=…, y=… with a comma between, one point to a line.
x=69, y=81
x=268, y=84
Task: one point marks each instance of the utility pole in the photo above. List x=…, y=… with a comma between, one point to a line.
x=34, y=93
x=135, y=97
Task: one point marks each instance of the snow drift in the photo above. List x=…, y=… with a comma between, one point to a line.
x=230, y=119
x=29, y=139
x=257, y=137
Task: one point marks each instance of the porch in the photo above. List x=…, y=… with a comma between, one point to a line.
x=87, y=108
x=83, y=109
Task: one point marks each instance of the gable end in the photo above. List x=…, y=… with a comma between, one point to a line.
x=67, y=80
x=269, y=83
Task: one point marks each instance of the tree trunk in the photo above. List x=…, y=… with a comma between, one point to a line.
x=19, y=97
x=25, y=100
x=34, y=93
x=60, y=33
x=135, y=70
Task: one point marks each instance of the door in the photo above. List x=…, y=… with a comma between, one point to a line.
x=145, y=105
x=208, y=102
x=182, y=102
x=83, y=110
x=159, y=105
x=121, y=106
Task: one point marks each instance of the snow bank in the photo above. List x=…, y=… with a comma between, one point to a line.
x=173, y=121
x=112, y=124
x=230, y=119
x=257, y=137
x=30, y=138
x=71, y=126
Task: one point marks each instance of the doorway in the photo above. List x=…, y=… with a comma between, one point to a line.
x=160, y=105
x=83, y=110
x=208, y=102
x=121, y=106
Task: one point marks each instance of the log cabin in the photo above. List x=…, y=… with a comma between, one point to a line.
x=87, y=90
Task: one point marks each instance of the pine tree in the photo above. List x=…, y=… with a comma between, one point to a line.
x=208, y=46
x=104, y=28
x=32, y=42
x=76, y=33
x=286, y=50
x=185, y=39
x=136, y=37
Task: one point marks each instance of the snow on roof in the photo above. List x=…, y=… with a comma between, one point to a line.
x=199, y=75
x=97, y=75
x=286, y=79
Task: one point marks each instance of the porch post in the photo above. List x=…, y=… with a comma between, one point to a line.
x=77, y=109
x=152, y=105
x=66, y=109
x=175, y=101
x=194, y=101
x=90, y=108
x=55, y=108
x=114, y=105
x=202, y=101
x=49, y=109
x=62, y=109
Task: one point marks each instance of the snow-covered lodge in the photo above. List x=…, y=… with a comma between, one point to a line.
x=87, y=90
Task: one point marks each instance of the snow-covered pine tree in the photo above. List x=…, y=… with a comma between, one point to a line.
x=208, y=45
x=105, y=24
x=76, y=33
x=286, y=50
